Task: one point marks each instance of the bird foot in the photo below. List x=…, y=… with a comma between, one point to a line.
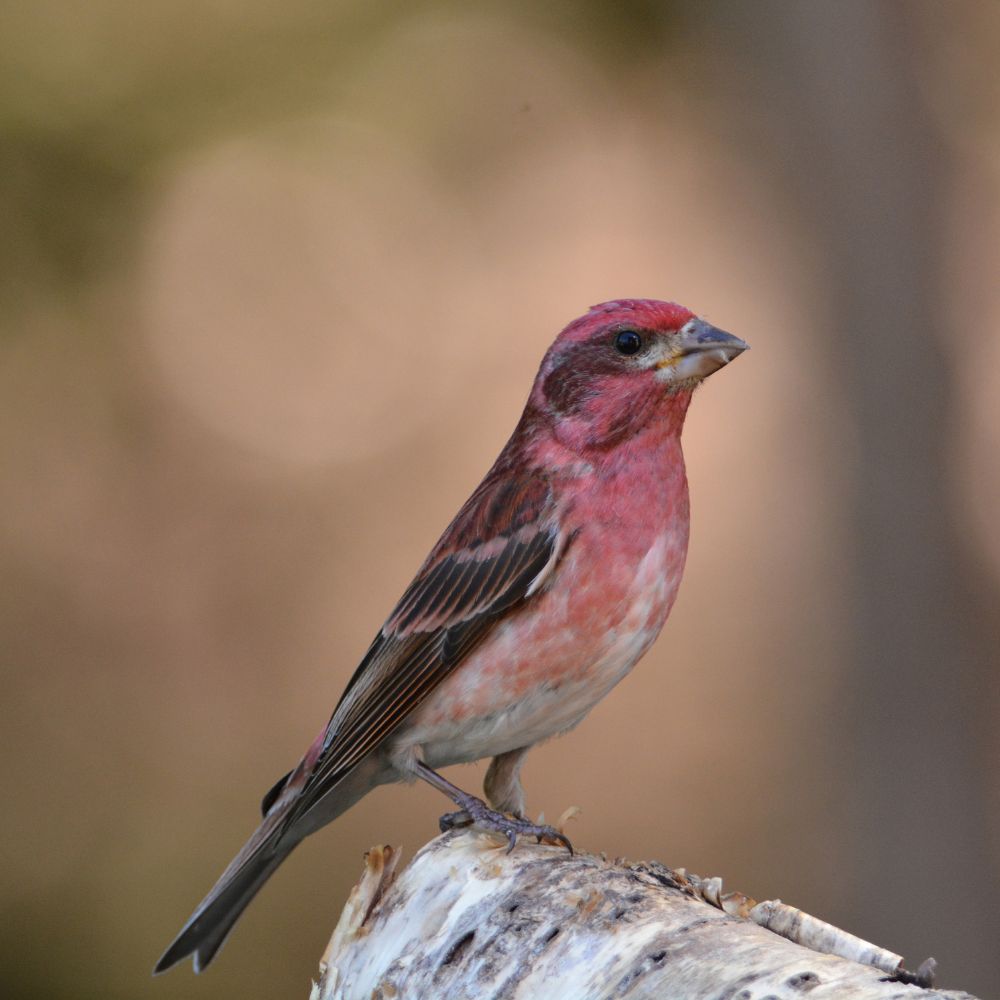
x=475, y=812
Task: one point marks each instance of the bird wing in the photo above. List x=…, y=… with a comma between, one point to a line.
x=500, y=548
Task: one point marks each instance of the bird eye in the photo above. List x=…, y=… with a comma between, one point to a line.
x=628, y=342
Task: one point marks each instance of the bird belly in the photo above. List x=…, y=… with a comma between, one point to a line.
x=540, y=671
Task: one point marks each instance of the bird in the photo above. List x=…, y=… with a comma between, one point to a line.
x=550, y=583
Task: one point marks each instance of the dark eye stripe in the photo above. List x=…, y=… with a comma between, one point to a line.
x=628, y=342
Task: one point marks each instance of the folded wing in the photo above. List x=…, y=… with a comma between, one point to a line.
x=496, y=553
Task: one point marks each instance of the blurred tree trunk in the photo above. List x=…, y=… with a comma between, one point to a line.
x=467, y=919
x=869, y=173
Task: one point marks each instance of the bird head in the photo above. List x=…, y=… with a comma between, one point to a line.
x=625, y=364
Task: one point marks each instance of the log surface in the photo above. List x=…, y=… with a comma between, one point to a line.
x=466, y=920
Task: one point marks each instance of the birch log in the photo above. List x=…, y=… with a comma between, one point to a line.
x=467, y=920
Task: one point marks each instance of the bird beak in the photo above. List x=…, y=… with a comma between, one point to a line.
x=698, y=350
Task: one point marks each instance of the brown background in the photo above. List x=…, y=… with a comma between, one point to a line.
x=276, y=279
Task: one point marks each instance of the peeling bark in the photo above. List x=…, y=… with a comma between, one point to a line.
x=467, y=920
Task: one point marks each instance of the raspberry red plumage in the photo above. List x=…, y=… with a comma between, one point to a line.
x=546, y=588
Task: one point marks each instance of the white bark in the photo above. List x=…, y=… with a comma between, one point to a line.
x=467, y=920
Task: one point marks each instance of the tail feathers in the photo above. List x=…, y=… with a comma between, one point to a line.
x=203, y=935
x=282, y=828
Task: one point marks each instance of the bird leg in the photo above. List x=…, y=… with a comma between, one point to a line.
x=475, y=811
x=502, y=784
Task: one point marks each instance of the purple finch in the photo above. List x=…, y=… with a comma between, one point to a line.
x=550, y=583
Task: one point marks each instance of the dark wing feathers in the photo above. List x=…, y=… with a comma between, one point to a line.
x=408, y=668
x=465, y=584
x=501, y=540
x=271, y=796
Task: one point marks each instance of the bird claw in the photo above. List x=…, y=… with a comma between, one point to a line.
x=475, y=812
x=449, y=821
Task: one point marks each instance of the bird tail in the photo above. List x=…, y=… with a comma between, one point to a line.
x=285, y=823
x=203, y=935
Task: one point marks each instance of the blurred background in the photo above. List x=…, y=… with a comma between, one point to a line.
x=275, y=281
